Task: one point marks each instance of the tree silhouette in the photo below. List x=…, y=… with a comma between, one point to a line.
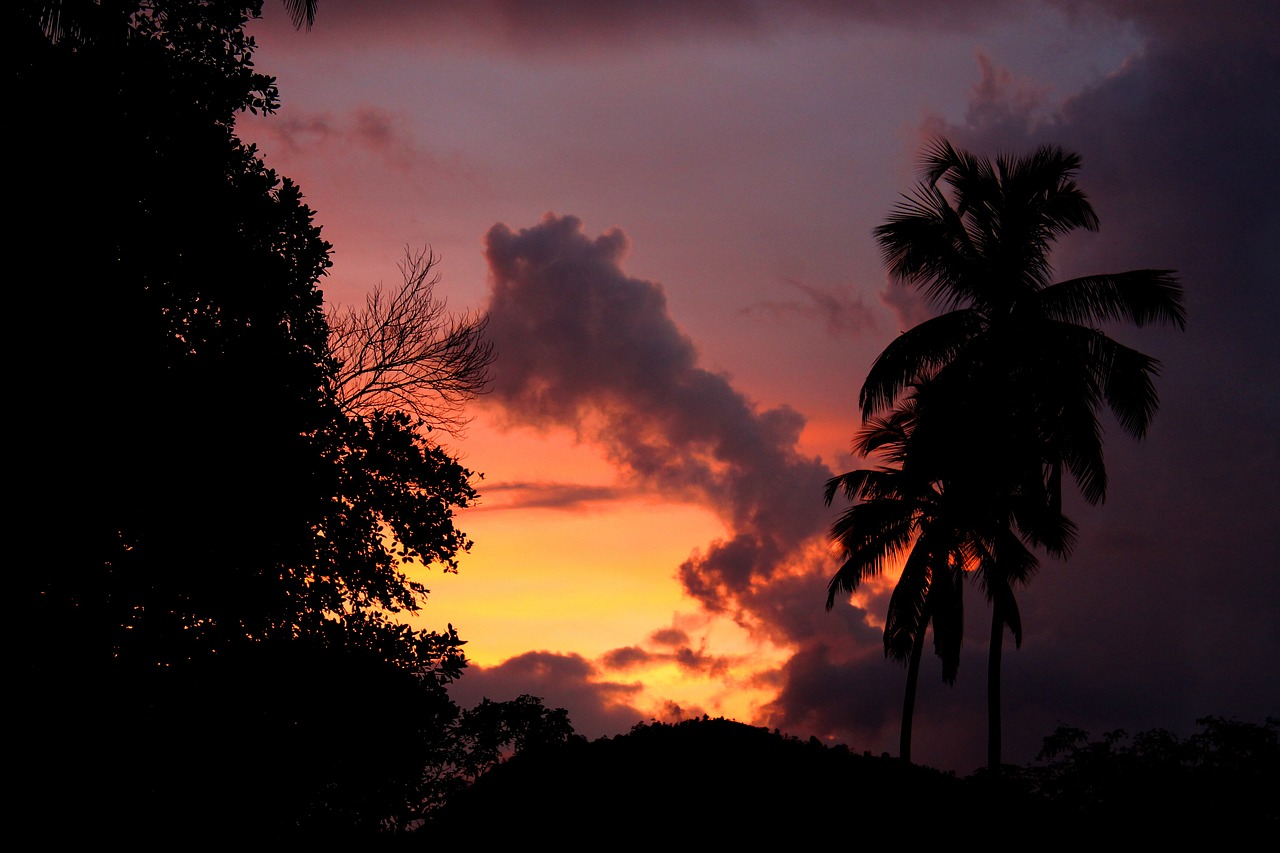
x=404, y=351
x=898, y=512
x=1018, y=367
x=206, y=515
x=931, y=505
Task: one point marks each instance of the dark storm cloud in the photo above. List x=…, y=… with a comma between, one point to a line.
x=596, y=708
x=586, y=346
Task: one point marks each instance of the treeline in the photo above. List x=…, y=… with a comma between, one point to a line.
x=721, y=782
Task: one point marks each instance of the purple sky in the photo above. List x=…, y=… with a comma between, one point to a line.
x=667, y=209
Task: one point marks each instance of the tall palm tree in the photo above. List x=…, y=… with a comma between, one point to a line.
x=1023, y=367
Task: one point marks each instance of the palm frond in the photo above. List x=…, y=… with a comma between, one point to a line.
x=914, y=354
x=1140, y=297
x=907, y=615
x=302, y=12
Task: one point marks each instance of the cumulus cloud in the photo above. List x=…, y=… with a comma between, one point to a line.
x=588, y=347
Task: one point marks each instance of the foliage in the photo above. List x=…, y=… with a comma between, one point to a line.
x=213, y=525
x=1014, y=374
x=1222, y=776
x=481, y=738
x=711, y=782
x=898, y=512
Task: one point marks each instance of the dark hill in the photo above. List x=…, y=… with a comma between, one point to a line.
x=717, y=781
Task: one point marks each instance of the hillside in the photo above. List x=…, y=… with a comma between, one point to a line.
x=718, y=782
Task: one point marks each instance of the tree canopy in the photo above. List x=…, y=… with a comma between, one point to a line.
x=209, y=514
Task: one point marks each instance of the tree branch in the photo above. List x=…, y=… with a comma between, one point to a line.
x=404, y=351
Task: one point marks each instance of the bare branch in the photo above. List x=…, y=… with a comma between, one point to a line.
x=405, y=351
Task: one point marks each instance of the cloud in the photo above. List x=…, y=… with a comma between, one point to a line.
x=908, y=306
x=689, y=659
x=368, y=128
x=597, y=708
x=626, y=657
x=588, y=347
x=545, y=495
x=669, y=637
x=841, y=313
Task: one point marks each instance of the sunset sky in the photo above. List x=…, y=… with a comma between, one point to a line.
x=667, y=210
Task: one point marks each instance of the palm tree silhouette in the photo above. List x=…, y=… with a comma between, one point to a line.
x=898, y=511
x=931, y=503
x=1017, y=366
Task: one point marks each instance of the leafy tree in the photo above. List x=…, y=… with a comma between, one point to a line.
x=481, y=738
x=209, y=521
x=1017, y=366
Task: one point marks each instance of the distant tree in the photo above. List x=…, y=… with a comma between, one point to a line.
x=1220, y=779
x=207, y=520
x=493, y=731
x=404, y=351
x=1017, y=365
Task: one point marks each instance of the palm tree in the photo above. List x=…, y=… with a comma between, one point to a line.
x=898, y=511
x=1020, y=363
x=930, y=504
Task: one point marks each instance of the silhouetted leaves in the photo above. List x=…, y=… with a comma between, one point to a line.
x=979, y=410
x=211, y=635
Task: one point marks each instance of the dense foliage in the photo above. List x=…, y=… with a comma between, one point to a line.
x=719, y=782
x=211, y=612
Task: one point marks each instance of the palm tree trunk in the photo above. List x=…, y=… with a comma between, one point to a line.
x=993, y=689
x=909, y=696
